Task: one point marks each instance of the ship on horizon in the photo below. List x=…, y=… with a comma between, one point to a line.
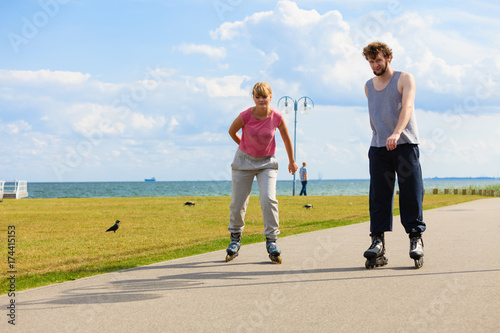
x=152, y=179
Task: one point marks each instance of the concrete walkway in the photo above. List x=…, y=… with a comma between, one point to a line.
x=322, y=286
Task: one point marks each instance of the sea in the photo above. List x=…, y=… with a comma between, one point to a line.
x=38, y=190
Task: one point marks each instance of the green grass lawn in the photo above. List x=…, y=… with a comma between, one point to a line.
x=64, y=239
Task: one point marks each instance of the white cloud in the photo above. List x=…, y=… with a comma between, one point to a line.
x=217, y=53
x=43, y=76
x=331, y=149
x=16, y=127
x=228, y=86
x=322, y=52
x=139, y=121
x=92, y=118
x=229, y=30
x=456, y=146
x=437, y=75
x=39, y=143
x=101, y=120
x=304, y=41
x=173, y=123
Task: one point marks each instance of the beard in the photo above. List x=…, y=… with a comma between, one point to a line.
x=382, y=71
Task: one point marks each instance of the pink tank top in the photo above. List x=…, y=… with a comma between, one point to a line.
x=257, y=138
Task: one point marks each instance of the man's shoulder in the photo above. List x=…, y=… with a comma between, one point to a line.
x=406, y=79
x=405, y=76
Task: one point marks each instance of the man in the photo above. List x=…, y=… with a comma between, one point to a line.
x=303, y=178
x=393, y=151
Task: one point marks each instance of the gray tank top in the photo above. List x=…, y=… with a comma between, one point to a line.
x=384, y=107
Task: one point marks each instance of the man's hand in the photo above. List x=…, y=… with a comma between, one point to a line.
x=392, y=142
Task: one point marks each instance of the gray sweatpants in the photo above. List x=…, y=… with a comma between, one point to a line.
x=244, y=169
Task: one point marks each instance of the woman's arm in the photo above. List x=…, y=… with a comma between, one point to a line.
x=292, y=166
x=234, y=128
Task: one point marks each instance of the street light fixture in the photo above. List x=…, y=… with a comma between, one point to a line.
x=286, y=108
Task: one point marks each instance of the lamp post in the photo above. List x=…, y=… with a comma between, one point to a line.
x=304, y=108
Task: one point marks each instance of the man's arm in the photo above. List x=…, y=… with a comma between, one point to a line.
x=406, y=85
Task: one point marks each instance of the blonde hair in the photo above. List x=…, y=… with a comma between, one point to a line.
x=261, y=89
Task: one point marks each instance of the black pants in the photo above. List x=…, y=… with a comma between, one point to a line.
x=384, y=166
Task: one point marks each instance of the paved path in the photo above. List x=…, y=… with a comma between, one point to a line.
x=322, y=286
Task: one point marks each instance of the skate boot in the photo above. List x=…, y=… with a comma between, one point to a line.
x=375, y=253
x=234, y=247
x=416, y=248
x=273, y=250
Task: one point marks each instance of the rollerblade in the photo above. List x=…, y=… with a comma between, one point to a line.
x=234, y=247
x=417, y=248
x=273, y=250
x=375, y=253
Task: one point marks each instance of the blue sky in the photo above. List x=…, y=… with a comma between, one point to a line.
x=124, y=90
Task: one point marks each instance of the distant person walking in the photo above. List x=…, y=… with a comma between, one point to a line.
x=393, y=151
x=255, y=159
x=303, y=178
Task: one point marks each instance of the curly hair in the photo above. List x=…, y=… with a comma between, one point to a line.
x=372, y=50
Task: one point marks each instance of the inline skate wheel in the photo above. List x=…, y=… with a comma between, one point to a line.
x=419, y=262
x=376, y=262
x=276, y=260
x=230, y=257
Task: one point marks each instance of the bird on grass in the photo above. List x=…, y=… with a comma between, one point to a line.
x=308, y=206
x=114, y=227
x=189, y=203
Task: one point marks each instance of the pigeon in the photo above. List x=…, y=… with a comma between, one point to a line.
x=308, y=206
x=114, y=227
x=189, y=203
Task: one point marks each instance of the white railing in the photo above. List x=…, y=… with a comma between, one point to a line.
x=22, y=189
x=16, y=189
